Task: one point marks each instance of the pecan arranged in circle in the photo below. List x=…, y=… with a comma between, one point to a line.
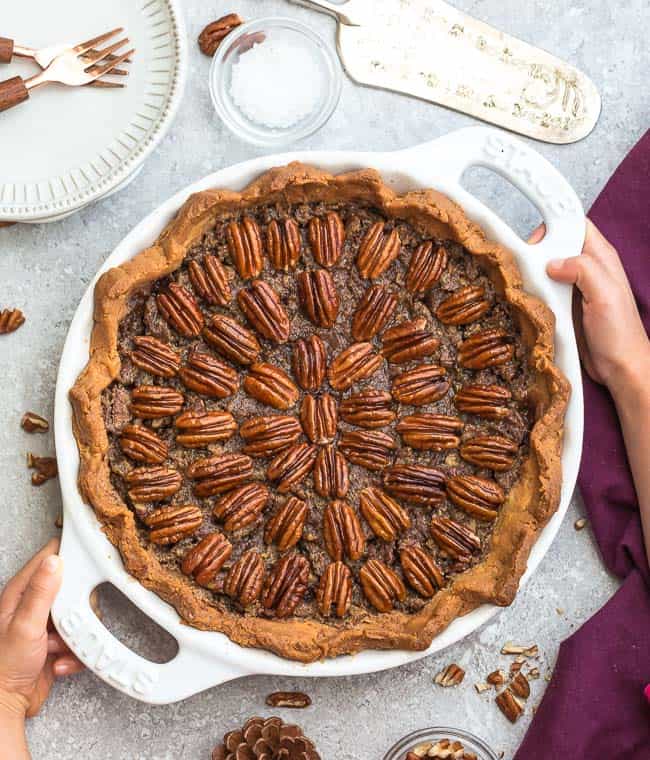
x=142, y=445
x=421, y=571
x=430, y=432
x=425, y=267
x=342, y=532
x=283, y=244
x=285, y=527
x=218, y=474
x=245, y=246
x=152, y=483
x=169, y=524
x=309, y=362
x=489, y=401
x=232, y=340
x=265, y=436
x=286, y=585
x=381, y=585
x=334, y=592
x=262, y=308
x=456, y=540
x=196, y=430
x=211, y=37
x=154, y=356
x=408, y=341
x=151, y=402
x=326, y=237
x=241, y=506
x=479, y=497
x=488, y=348
x=205, y=560
x=205, y=374
x=416, y=484
x=368, y=409
x=331, y=475
x=373, y=313
x=179, y=307
x=319, y=418
x=209, y=280
x=495, y=452
x=353, y=364
x=371, y=449
x=271, y=385
x=245, y=579
x=318, y=297
x=464, y=306
x=378, y=249
x=424, y=384
x=291, y=466
x=385, y=516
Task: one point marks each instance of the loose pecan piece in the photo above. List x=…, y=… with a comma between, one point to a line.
x=286, y=526
x=378, y=249
x=520, y=686
x=416, y=484
x=353, y=364
x=381, y=585
x=424, y=384
x=265, y=436
x=430, y=432
x=205, y=560
x=371, y=449
x=218, y=474
x=209, y=280
x=385, y=516
x=318, y=296
x=452, y=675
x=46, y=468
x=421, y=571
x=319, y=418
x=142, y=445
x=261, y=306
x=510, y=706
x=488, y=348
x=271, y=385
x=464, y=306
x=169, y=525
x=368, y=409
x=335, y=590
x=11, y=320
x=425, y=267
x=211, y=37
x=283, y=244
x=309, y=362
x=477, y=496
x=245, y=246
x=489, y=401
x=289, y=699
x=154, y=356
x=286, y=585
x=152, y=483
x=408, y=341
x=205, y=374
x=331, y=475
x=232, y=340
x=291, y=466
x=180, y=309
x=34, y=423
x=456, y=540
x=491, y=451
x=373, y=312
x=326, y=237
x=342, y=532
x=245, y=578
x=241, y=506
x=196, y=430
x=151, y=402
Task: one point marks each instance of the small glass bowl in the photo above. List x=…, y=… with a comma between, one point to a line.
x=470, y=742
x=284, y=30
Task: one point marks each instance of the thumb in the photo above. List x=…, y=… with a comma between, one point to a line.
x=564, y=270
x=34, y=609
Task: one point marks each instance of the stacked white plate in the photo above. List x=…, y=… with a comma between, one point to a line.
x=68, y=147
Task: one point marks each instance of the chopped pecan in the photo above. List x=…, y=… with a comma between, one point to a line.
x=46, y=468
x=342, y=532
x=288, y=699
x=373, y=312
x=381, y=585
x=489, y=401
x=285, y=527
x=205, y=374
x=213, y=34
x=496, y=678
x=142, y=445
x=326, y=237
x=10, y=320
x=291, y=466
x=232, y=340
x=154, y=356
x=205, y=560
x=378, y=249
x=286, y=585
x=179, y=307
x=335, y=590
x=241, y=506
x=319, y=418
x=271, y=385
x=218, y=474
x=283, y=244
x=369, y=409
x=245, y=246
x=34, y=423
x=209, y=280
x=491, y=451
x=488, y=348
x=408, y=341
x=425, y=267
x=152, y=483
x=510, y=706
x=261, y=306
x=309, y=362
x=452, y=675
x=151, y=402
x=456, y=540
x=265, y=436
x=385, y=516
x=318, y=296
x=430, y=432
x=478, y=497
x=464, y=306
x=421, y=571
x=331, y=476
x=424, y=384
x=245, y=578
x=353, y=364
x=371, y=449
x=169, y=525
x=520, y=686
x=416, y=484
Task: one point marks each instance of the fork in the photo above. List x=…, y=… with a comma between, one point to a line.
x=74, y=67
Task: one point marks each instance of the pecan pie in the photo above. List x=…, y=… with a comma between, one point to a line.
x=321, y=417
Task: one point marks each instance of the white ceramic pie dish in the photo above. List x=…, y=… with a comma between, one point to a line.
x=206, y=659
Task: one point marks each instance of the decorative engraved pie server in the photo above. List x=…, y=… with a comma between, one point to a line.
x=429, y=49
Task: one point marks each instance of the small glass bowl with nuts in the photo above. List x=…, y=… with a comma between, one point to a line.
x=441, y=743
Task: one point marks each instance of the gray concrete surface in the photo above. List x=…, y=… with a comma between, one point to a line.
x=44, y=270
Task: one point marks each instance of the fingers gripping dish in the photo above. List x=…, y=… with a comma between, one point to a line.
x=320, y=417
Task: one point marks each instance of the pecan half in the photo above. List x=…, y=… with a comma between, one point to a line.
x=283, y=244
x=491, y=451
x=425, y=267
x=205, y=560
x=326, y=237
x=452, y=675
x=456, y=540
x=371, y=449
x=196, y=430
x=245, y=578
x=218, y=474
x=520, y=686
x=373, y=312
x=152, y=483
x=334, y=592
x=151, y=402
x=180, y=309
x=408, y=341
x=385, y=516
x=209, y=280
x=285, y=527
x=309, y=362
x=265, y=436
x=232, y=340
x=342, y=532
x=34, y=423
x=154, y=356
x=291, y=466
x=510, y=706
x=424, y=384
x=205, y=374
x=416, y=484
x=241, y=506
x=262, y=308
x=286, y=585
x=169, y=525
x=377, y=251
x=288, y=699
x=489, y=401
x=354, y=363
x=488, y=348
x=211, y=37
x=245, y=247
x=271, y=385
x=430, y=432
x=318, y=296
x=368, y=409
x=331, y=475
x=11, y=320
x=464, y=306
x=477, y=496
x=420, y=571
x=319, y=418
x=381, y=585
x=46, y=468
x=142, y=445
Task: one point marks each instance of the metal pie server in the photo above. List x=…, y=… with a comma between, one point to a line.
x=428, y=49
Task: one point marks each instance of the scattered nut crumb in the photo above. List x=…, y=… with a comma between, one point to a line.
x=580, y=524
x=559, y=610
x=34, y=423
x=10, y=320
x=533, y=674
x=45, y=468
x=293, y=699
x=526, y=651
x=452, y=675
x=481, y=687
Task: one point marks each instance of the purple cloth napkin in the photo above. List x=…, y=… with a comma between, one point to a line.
x=595, y=705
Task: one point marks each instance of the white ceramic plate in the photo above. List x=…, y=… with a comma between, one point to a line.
x=205, y=658
x=66, y=147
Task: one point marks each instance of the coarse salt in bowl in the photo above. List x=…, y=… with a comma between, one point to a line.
x=274, y=81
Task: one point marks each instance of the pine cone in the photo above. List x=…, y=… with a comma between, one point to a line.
x=266, y=739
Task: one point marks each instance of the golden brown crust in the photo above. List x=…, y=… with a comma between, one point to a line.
x=528, y=506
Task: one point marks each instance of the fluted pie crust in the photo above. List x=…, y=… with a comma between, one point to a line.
x=529, y=504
